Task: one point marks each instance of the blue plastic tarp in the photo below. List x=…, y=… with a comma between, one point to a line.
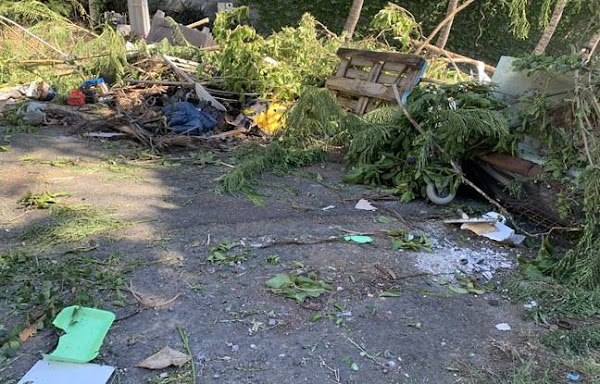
x=185, y=118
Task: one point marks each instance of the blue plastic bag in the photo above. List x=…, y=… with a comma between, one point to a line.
x=185, y=118
x=92, y=82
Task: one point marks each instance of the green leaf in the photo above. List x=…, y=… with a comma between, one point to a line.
x=390, y=293
x=460, y=290
x=354, y=367
x=477, y=291
x=316, y=317
x=279, y=282
x=386, y=220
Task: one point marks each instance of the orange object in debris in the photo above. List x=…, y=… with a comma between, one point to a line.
x=76, y=98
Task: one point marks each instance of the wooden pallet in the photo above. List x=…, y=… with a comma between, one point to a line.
x=364, y=79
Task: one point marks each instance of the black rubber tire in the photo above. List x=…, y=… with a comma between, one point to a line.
x=432, y=194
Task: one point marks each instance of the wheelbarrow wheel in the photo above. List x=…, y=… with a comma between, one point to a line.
x=443, y=197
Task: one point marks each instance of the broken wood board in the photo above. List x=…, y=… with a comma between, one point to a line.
x=365, y=80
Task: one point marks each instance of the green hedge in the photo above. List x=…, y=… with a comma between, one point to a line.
x=481, y=31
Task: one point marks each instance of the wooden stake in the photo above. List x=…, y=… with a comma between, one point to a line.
x=198, y=23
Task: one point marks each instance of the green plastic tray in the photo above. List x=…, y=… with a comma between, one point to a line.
x=85, y=329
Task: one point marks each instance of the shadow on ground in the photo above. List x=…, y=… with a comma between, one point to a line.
x=239, y=332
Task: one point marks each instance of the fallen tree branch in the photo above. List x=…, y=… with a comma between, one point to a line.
x=161, y=82
x=453, y=163
x=452, y=55
x=441, y=25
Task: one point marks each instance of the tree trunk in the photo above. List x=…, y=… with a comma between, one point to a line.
x=443, y=38
x=93, y=11
x=588, y=51
x=551, y=28
x=353, y=18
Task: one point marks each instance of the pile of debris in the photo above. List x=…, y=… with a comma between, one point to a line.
x=158, y=99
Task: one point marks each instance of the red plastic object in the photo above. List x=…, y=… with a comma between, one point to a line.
x=76, y=98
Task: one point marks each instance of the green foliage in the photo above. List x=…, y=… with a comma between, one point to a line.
x=404, y=240
x=571, y=142
x=519, y=23
x=35, y=285
x=281, y=64
x=221, y=254
x=69, y=224
x=112, y=63
x=297, y=287
x=43, y=200
x=463, y=119
x=546, y=63
x=314, y=126
x=480, y=31
x=226, y=22
x=579, y=341
x=33, y=11
x=556, y=302
x=397, y=22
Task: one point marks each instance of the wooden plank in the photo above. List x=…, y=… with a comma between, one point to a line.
x=388, y=66
x=343, y=68
x=396, y=67
x=361, y=88
x=358, y=62
x=373, y=77
x=384, y=78
x=410, y=60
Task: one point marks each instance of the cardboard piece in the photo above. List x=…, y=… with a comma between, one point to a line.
x=57, y=372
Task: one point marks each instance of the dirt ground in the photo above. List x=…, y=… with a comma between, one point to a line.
x=240, y=332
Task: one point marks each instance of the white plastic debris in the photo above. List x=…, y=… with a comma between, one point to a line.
x=35, y=114
x=365, y=205
x=532, y=304
x=327, y=208
x=57, y=372
x=503, y=327
x=497, y=231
